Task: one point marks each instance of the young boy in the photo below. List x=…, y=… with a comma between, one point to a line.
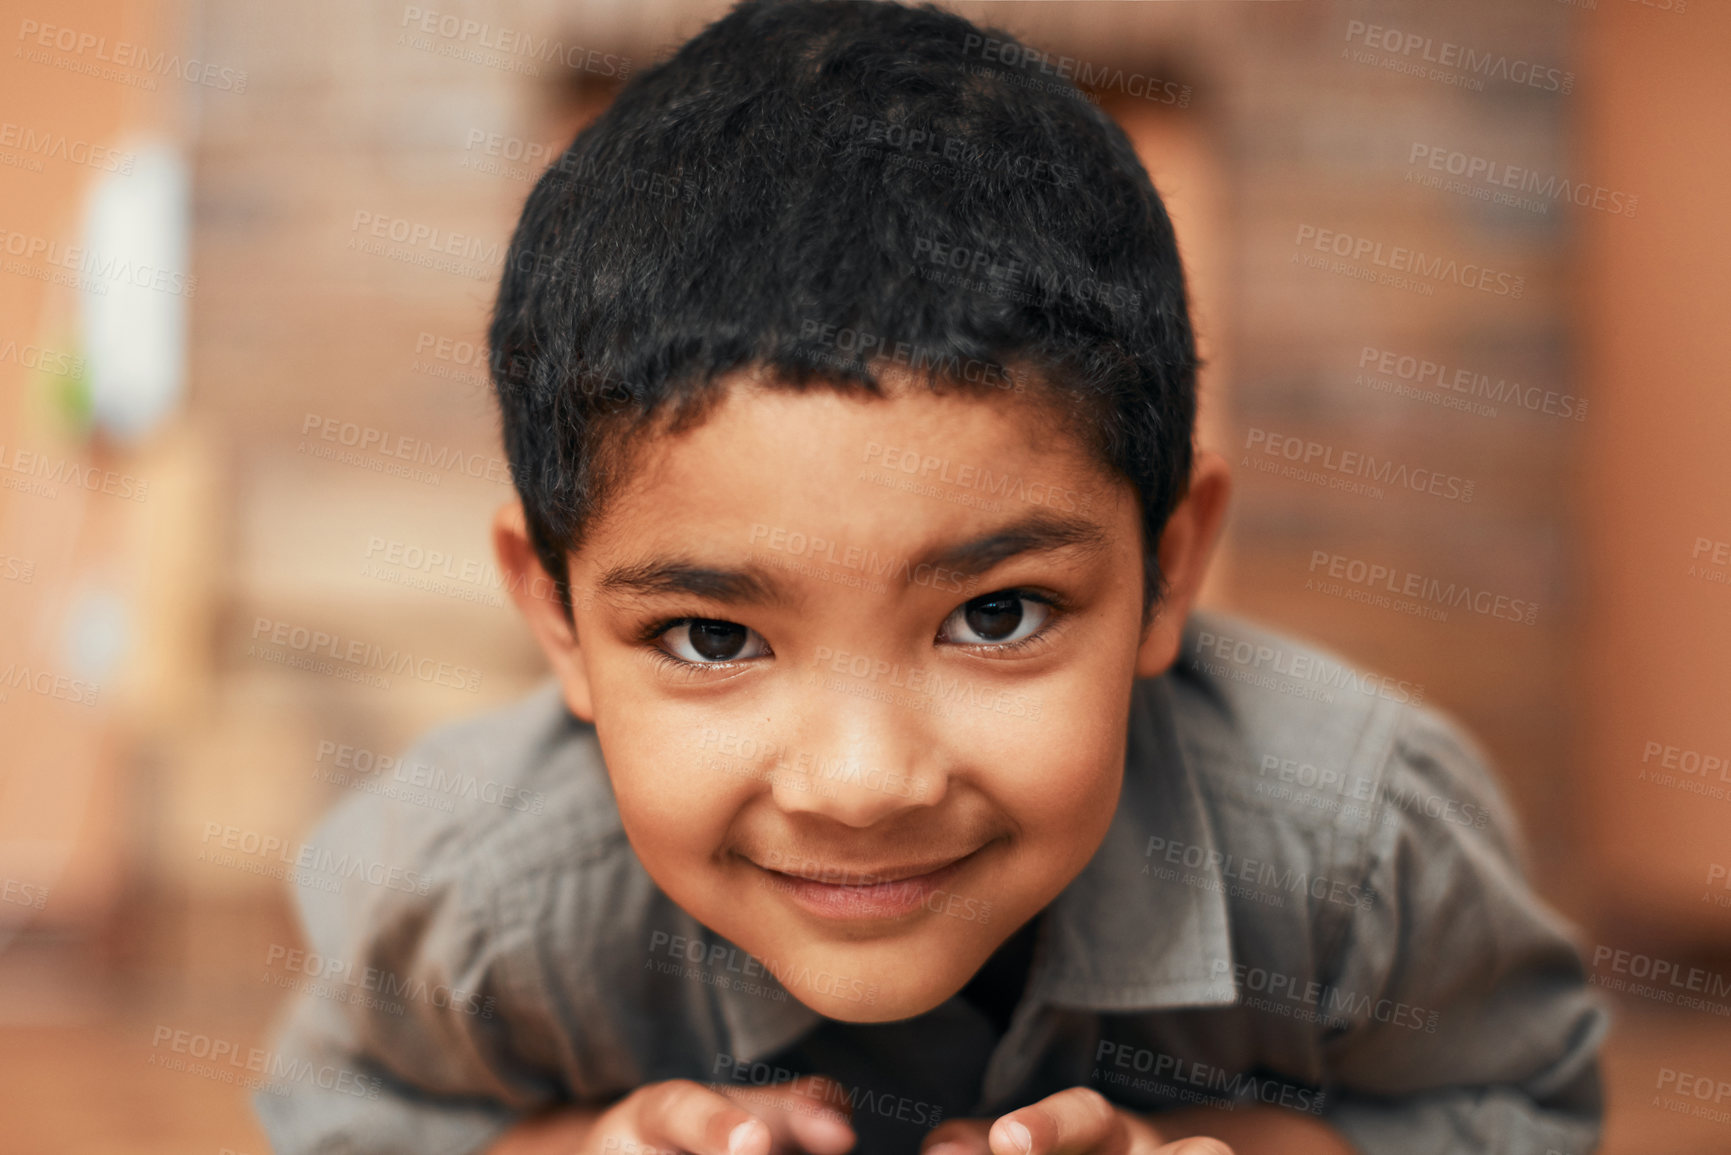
x=890, y=795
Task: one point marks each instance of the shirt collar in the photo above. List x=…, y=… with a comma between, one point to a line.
x=1115, y=939
x=1119, y=939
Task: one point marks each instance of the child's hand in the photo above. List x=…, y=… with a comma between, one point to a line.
x=682, y=1116
x=1077, y=1121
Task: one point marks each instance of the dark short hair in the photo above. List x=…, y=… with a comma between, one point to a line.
x=818, y=189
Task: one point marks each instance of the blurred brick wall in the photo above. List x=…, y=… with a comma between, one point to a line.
x=319, y=325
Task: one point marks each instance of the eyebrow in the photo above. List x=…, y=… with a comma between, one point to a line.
x=1039, y=532
x=1036, y=533
x=680, y=576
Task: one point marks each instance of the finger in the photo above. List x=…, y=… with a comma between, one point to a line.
x=1074, y=1121
x=957, y=1137
x=687, y=1116
x=809, y=1113
x=820, y=1113
x=1197, y=1146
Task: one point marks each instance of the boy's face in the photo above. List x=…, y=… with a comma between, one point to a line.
x=860, y=669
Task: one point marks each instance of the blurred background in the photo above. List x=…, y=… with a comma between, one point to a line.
x=248, y=250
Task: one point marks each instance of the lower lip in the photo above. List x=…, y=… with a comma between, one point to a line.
x=880, y=900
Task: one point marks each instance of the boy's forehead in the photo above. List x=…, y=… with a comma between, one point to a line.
x=772, y=468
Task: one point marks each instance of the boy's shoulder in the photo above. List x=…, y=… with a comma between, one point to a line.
x=1281, y=727
x=514, y=790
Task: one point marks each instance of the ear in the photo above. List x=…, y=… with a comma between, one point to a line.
x=537, y=600
x=1186, y=546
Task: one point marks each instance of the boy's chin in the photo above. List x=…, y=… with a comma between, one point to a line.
x=874, y=1001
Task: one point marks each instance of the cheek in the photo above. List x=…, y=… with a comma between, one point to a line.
x=1058, y=775
x=1063, y=788
x=671, y=783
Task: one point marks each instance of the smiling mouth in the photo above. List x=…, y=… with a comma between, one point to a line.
x=847, y=877
x=888, y=893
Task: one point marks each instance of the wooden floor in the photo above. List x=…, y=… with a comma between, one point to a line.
x=92, y=1088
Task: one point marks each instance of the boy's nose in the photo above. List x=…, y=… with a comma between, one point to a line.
x=860, y=760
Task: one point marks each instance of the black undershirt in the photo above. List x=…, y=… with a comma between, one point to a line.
x=997, y=986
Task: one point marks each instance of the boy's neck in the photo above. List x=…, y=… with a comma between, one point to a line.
x=996, y=988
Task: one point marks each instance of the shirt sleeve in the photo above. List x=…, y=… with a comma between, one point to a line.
x=1469, y=1025
x=409, y=1032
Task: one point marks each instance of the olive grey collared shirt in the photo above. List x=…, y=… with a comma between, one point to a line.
x=1310, y=896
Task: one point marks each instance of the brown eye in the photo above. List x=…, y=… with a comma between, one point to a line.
x=702, y=641
x=995, y=619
